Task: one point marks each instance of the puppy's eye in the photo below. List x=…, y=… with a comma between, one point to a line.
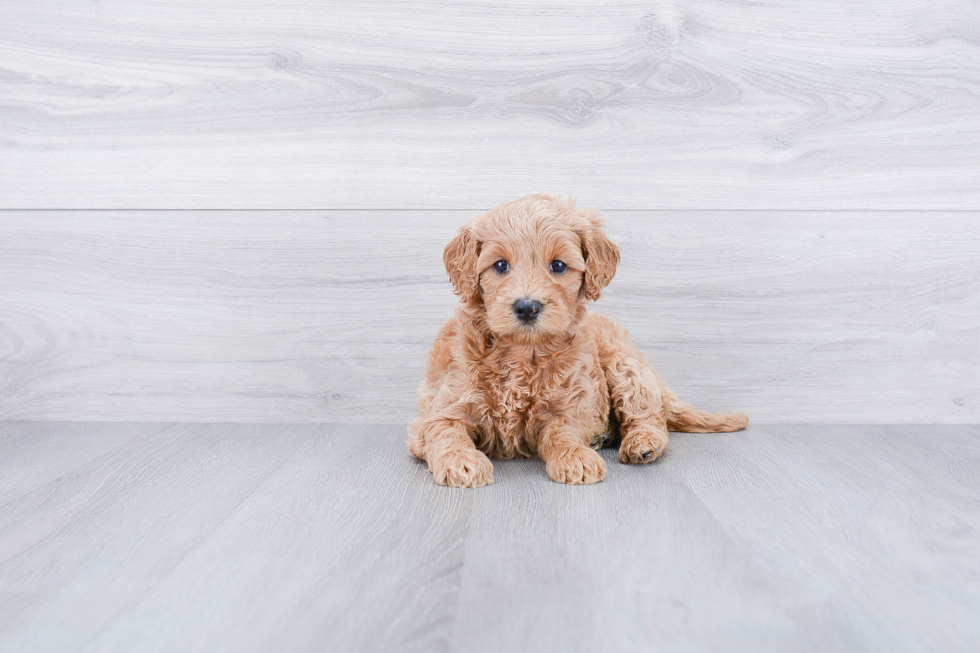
x=501, y=266
x=558, y=267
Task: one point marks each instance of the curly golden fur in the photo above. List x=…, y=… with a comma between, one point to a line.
x=546, y=377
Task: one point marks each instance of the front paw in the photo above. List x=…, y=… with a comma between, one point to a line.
x=462, y=468
x=642, y=446
x=576, y=466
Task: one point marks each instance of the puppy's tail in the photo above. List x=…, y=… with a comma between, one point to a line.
x=681, y=417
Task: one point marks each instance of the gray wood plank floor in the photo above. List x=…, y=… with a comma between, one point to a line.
x=631, y=104
x=182, y=537
x=293, y=316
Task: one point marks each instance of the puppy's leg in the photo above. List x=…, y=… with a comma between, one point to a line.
x=453, y=459
x=637, y=398
x=567, y=455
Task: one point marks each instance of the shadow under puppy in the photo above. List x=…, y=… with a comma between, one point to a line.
x=525, y=369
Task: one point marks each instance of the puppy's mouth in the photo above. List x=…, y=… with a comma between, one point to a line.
x=528, y=321
x=541, y=326
x=528, y=329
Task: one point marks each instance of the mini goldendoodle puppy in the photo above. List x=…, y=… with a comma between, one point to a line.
x=524, y=369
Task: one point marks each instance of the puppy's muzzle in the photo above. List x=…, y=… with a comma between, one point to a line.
x=527, y=310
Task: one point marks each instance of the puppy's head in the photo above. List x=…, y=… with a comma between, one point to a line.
x=530, y=265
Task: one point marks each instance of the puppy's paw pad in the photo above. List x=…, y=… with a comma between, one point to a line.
x=601, y=440
x=642, y=447
x=576, y=466
x=462, y=468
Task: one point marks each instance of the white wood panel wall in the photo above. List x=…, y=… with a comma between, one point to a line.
x=795, y=185
x=630, y=104
x=327, y=316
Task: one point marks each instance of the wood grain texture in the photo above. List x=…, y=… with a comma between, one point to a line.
x=299, y=537
x=810, y=538
x=328, y=316
x=630, y=104
x=857, y=542
x=290, y=537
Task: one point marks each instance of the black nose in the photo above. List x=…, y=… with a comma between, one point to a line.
x=527, y=310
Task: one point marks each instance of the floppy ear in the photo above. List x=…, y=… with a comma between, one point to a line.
x=601, y=257
x=460, y=258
